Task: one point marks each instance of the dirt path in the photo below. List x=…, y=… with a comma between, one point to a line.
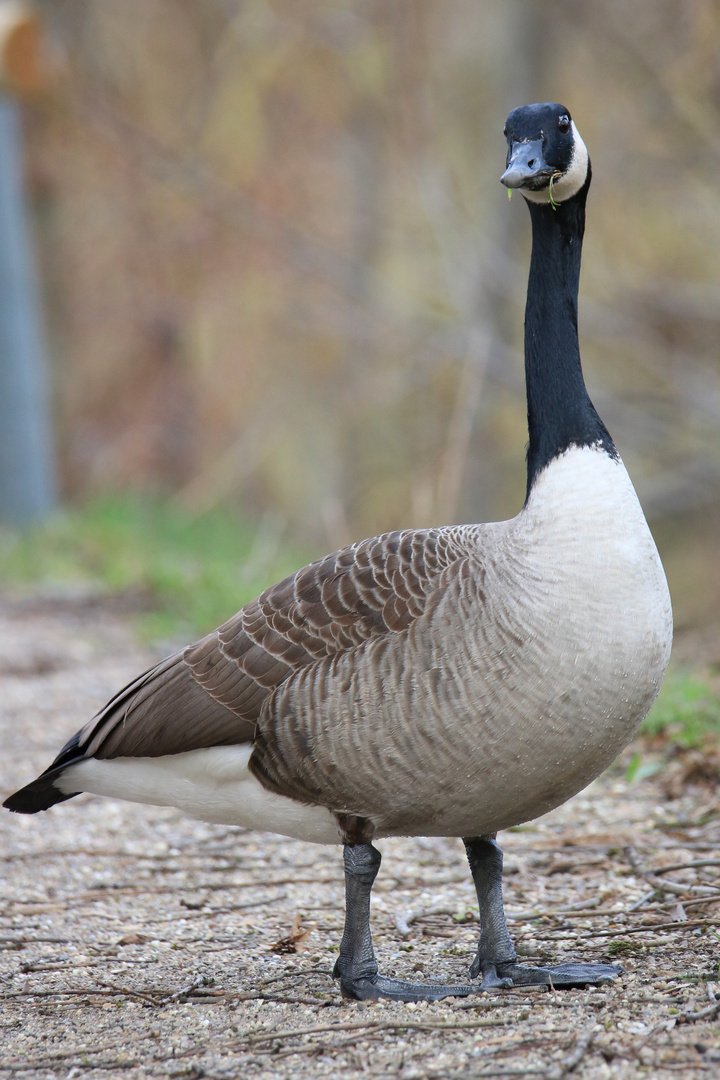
x=137, y=943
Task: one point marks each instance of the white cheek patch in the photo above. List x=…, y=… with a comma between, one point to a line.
x=571, y=180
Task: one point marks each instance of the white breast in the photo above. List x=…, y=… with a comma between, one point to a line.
x=584, y=531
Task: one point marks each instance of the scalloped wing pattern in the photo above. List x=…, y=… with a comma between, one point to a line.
x=212, y=693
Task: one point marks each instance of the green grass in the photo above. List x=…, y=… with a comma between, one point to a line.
x=687, y=710
x=686, y=716
x=196, y=570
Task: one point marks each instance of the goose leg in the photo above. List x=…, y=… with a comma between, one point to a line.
x=495, y=949
x=356, y=966
x=496, y=957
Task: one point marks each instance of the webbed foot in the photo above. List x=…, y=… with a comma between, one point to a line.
x=373, y=987
x=561, y=976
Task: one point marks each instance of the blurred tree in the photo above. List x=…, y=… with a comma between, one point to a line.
x=281, y=271
x=27, y=472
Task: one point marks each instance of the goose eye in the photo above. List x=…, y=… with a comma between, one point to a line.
x=564, y=124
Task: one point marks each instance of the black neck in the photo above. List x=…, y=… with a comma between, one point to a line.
x=560, y=413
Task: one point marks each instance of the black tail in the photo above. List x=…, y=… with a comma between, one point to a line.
x=41, y=794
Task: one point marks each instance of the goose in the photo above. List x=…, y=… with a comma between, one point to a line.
x=450, y=681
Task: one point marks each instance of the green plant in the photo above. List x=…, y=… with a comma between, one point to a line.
x=687, y=711
x=193, y=571
x=639, y=769
x=624, y=948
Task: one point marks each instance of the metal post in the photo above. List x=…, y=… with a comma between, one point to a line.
x=27, y=473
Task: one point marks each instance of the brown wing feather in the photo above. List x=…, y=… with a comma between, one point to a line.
x=212, y=693
x=165, y=711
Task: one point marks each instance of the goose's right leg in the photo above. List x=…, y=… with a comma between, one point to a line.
x=356, y=966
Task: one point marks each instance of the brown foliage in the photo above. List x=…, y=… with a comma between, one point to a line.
x=280, y=270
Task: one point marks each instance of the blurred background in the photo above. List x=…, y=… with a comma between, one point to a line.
x=281, y=284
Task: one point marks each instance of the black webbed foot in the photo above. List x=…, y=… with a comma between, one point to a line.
x=561, y=976
x=378, y=986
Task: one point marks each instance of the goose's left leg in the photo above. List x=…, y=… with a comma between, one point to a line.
x=496, y=957
x=356, y=966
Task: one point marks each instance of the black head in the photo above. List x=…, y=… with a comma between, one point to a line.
x=546, y=157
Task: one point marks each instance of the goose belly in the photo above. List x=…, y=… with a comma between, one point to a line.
x=550, y=716
x=521, y=687
x=572, y=656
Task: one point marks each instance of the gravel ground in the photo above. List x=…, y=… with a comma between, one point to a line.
x=137, y=943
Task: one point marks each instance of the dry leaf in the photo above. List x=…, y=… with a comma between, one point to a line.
x=692, y=767
x=132, y=939
x=294, y=941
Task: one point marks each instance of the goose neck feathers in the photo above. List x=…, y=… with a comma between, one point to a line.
x=560, y=412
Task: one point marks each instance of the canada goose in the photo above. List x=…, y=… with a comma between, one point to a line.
x=449, y=681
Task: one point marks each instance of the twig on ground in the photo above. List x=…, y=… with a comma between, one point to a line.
x=32, y=941
x=620, y=931
x=581, y=906
x=226, y=909
x=198, y=982
x=664, y=1025
x=62, y=1055
x=571, y=1062
x=317, y=1048
x=643, y=899
x=254, y=1039
x=702, y=1014
x=701, y=901
x=87, y=991
x=404, y=922
x=696, y=864
x=675, y=887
